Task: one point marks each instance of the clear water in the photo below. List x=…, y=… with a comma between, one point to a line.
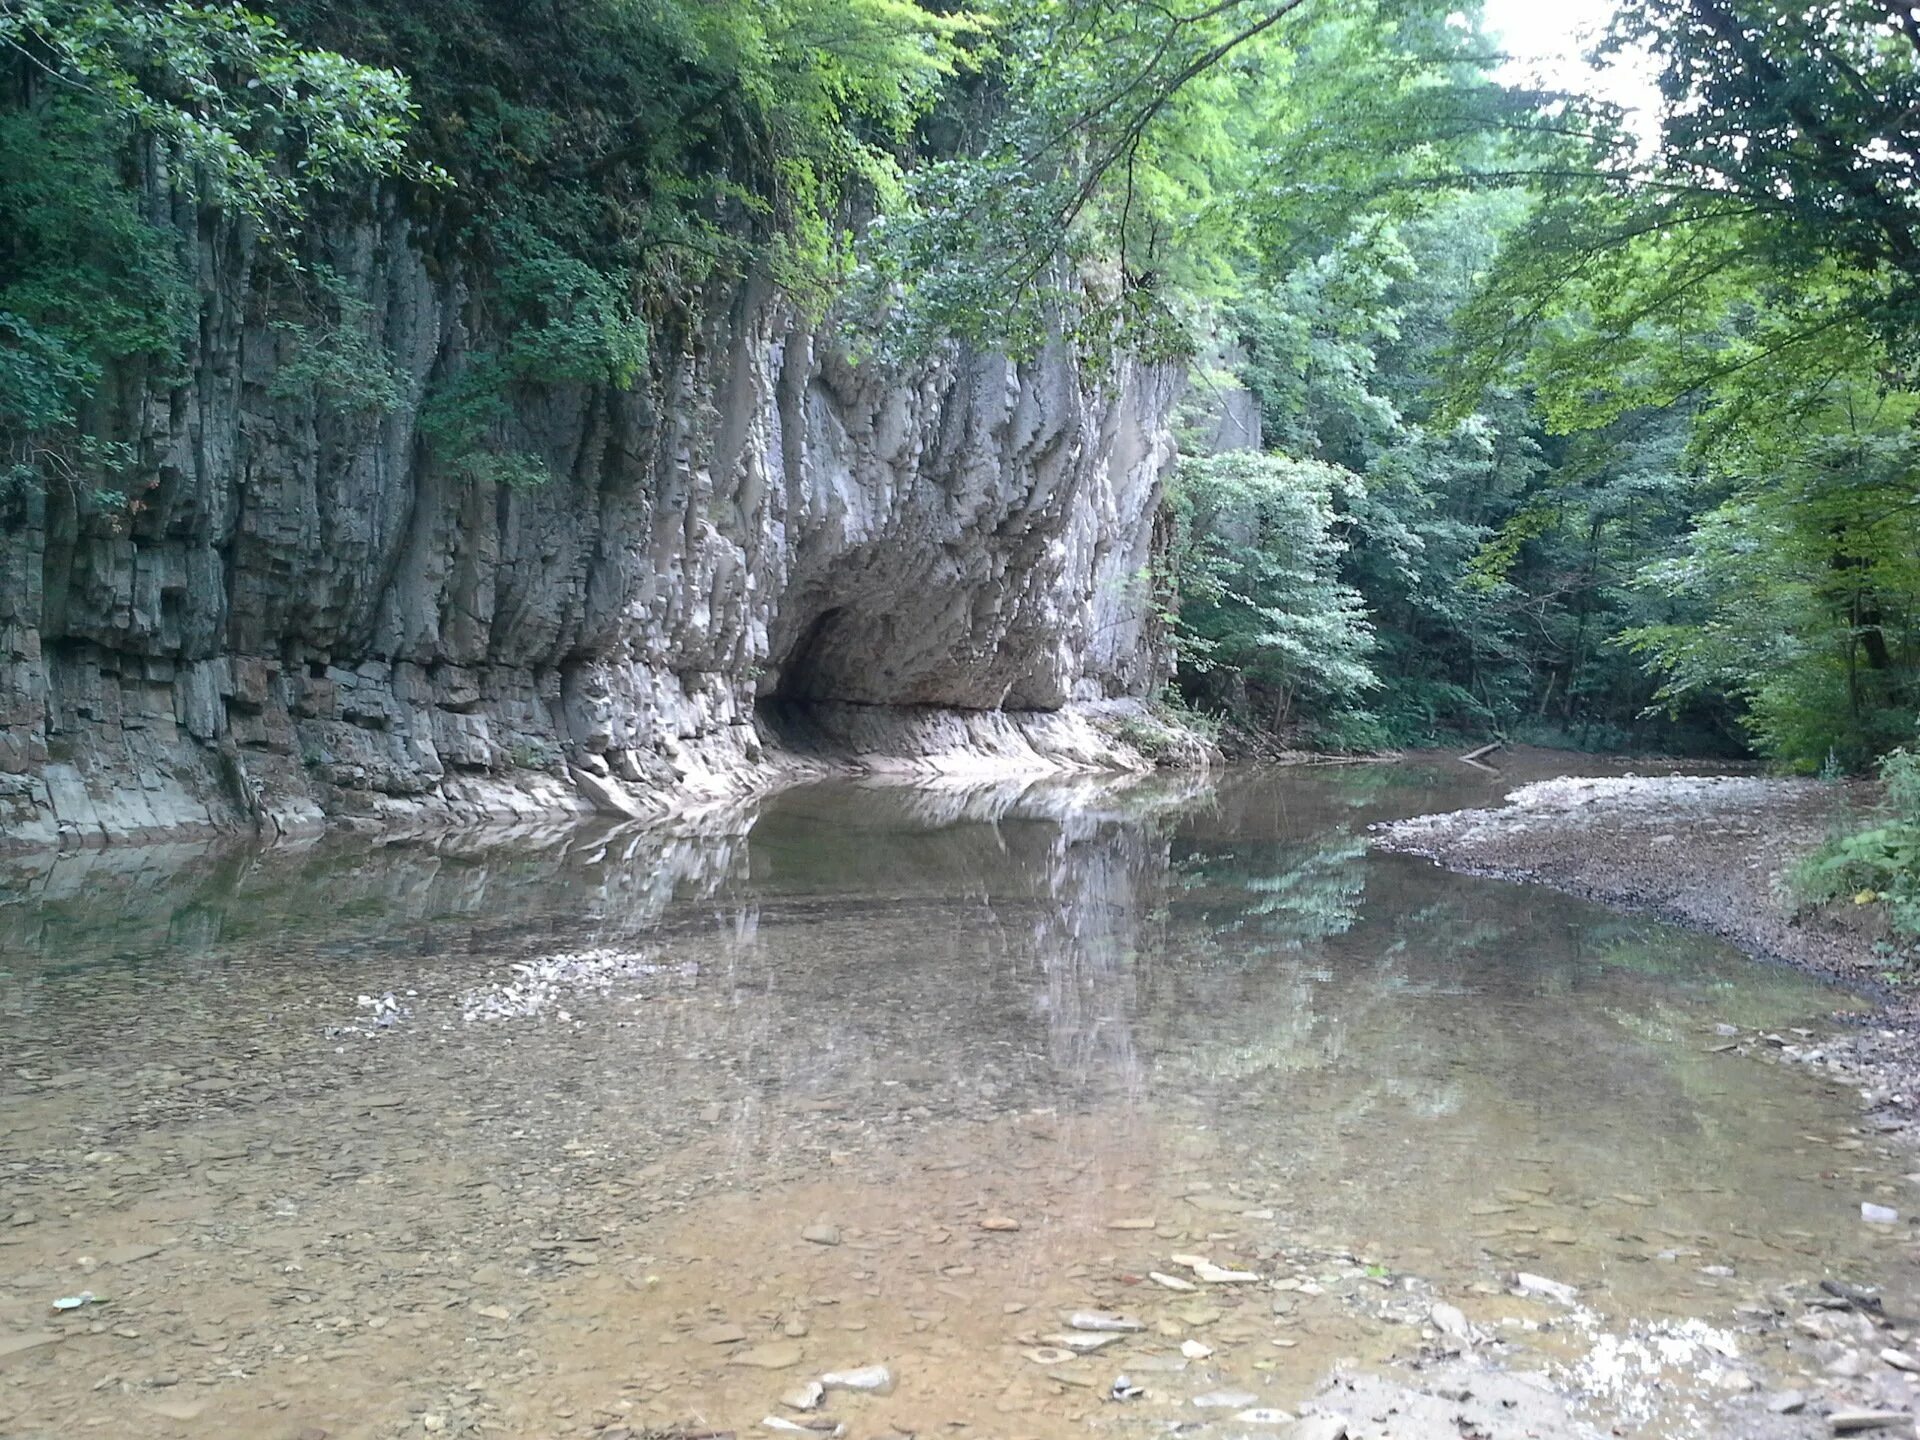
x=1185, y=1018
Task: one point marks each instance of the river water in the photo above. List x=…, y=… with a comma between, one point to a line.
x=617, y=1132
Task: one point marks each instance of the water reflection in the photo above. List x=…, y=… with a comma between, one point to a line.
x=883, y=1007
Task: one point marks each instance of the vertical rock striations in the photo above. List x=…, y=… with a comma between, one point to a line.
x=308, y=614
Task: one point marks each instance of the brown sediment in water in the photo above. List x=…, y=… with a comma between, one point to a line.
x=657, y=1128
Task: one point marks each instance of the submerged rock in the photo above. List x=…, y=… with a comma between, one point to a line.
x=1100, y=1320
x=1540, y=1285
x=1225, y=1399
x=1849, y=1422
x=867, y=1380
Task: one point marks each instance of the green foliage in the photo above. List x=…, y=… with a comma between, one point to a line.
x=225, y=109
x=333, y=354
x=1807, y=586
x=1879, y=862
x=1753, y=275
x=1121, y=165
x=1265, y=621
x=248, y=118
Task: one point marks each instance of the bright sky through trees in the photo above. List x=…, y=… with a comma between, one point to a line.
x=1548, y=40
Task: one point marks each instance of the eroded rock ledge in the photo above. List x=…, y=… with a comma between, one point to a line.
x=309, y=617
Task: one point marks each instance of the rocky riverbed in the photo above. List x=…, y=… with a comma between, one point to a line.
x=1029, y=1111
x=1708, y=852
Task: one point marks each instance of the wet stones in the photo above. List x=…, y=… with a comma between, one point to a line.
x=1854, y=1422
x=1225, y=1400
x=867, y=1380
x=1101, y=1322
x=1540, y=1285
x=805, y=1397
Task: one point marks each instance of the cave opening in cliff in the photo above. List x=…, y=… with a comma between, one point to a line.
x=804, y=676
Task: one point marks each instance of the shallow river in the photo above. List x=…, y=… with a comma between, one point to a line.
x=614, y=1132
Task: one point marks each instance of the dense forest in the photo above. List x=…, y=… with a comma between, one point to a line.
x=1571, y=427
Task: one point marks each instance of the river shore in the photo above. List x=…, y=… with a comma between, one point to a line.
x=1709, y=853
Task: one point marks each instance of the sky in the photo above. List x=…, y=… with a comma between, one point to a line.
x=1547, y=38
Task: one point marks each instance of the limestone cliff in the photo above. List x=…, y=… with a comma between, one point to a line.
x=308, y=615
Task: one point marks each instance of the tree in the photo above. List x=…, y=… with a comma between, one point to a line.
x=223, y=109
x=1265, y=620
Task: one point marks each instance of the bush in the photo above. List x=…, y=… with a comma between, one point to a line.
x=1879, y=862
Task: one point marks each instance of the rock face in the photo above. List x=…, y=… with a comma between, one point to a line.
x=307, y=614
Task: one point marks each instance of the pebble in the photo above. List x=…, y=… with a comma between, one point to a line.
x=1847, y=1422
x=1225, y=1399
x=1171, y=1282
x=1194, y=1350
x=1000, y=1223
x=723, y=1334
x=1083, y=1343
x=1451, y=1321
x=805, y=1397
x=1787, y=1402
x=780, y=1355
x=822, y=1234
x=1220, y=1275
x=1878, y=1214
x=868, y=1379
x=1540, y=1285
x=789, y=1427
x=1100, y=1320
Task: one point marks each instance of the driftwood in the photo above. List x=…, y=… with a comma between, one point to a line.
x=1478, y=757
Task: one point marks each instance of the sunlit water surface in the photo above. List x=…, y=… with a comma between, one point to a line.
x=565, y=1182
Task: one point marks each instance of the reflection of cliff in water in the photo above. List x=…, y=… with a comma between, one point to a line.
x=839, y=974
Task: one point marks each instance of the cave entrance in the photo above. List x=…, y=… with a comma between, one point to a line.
x=802, y=678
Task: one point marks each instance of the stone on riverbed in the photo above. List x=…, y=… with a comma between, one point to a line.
x=805, y=1397
x=1540, y=1285
x=1849, y=1422
x=867, y=1380
x=1083, y=1343
x=1100, y=1321
x=1225, y=1399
